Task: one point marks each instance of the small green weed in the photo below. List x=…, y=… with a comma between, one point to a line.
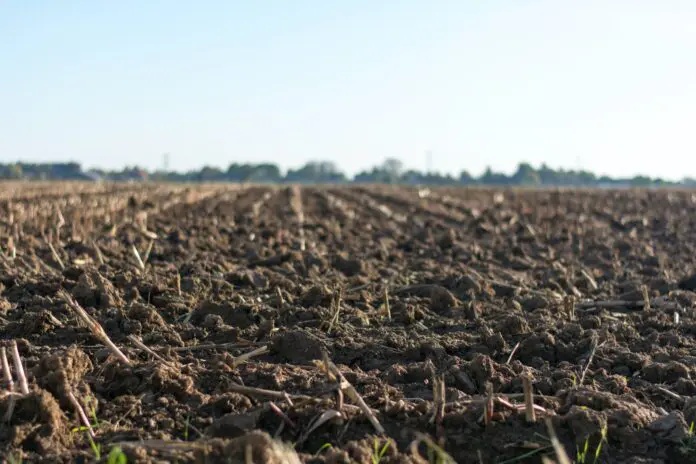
x=688, y=445
x=377, y=452
x=116, y=456
x=96, y=447
x=548, y=446
x=92, y=406
x=323, y=448
x=523, y=457
x=436, y=455
x=581, y=456
x=92, y=402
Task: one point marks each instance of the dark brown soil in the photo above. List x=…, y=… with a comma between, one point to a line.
x=484, y=287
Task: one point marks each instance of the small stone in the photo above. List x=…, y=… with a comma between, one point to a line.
x=297, y=346
x=534, y=302
x=348, y=266
x=671, y=427
x=688, y=283
x=233, y=425
x=212, y=321
x=441, y=299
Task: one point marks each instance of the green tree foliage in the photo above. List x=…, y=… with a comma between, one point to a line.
x=317, y=172
x=391, y=170
x=526, y=175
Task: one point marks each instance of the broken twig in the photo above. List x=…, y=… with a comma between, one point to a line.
x=138, y=259
x=512, y=353
x=6, y=373
x=93, y=326
x=561, y=454
x=56, y=257
x=81, y=414
x=281, y=414
x=139, y=343
x=353, y=394
x=528, y=399
x=19, y=369
x=589, y=360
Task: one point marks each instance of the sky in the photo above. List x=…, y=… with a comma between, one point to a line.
x=603, y=85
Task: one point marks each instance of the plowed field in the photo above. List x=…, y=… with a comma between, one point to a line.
x=351, y=324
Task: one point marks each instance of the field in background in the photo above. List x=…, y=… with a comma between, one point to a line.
x=354, y=324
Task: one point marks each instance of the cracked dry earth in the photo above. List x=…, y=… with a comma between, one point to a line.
x=247, y=293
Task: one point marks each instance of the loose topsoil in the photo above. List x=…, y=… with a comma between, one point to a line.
x=430, y=307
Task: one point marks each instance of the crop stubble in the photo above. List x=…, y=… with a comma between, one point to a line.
x=241, y=313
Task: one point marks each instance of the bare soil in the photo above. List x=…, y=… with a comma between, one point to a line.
x=590, y=294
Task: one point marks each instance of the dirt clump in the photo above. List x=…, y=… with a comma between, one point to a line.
x=316, y=295
x=233, y=315
x=38, y=425
x=93, y=290
x=669, y=372
x=297, y=346
x=442, y=299
x=146, y=315
x=263, y=449
x=234, y=425
x=348, y=266
x=538, y=345
x=251, y=278
x=63, y=373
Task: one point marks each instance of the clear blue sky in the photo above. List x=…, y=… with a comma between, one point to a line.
x=606, y=85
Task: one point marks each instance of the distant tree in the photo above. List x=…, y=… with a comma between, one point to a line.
x=239, y=172
x=375, y=175
x=265, y=172
x=641, y=181
x=548, y=176
x=587, y=178
x=15, y=171
x=210, y=174
x=60, y=171
x=494, y=178
x=316, y=172
x=393, y=169
x=466, y=178
x=526, y=175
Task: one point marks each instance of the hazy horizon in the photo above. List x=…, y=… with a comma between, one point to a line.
x=604, y=86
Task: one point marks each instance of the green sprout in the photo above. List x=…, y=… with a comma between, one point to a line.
x=117, y=456
x=324, y=447
x=582, y=455
x=96, y=447
x=436, y=455
x=93, y=413
x=377, y=452
x=688, y=444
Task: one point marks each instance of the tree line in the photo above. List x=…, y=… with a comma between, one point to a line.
x=391, y=171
